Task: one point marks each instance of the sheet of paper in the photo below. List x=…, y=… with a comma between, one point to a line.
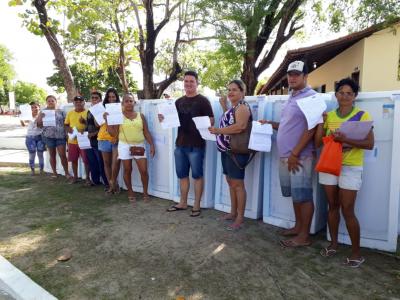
x=356, y=130
x=257, y=127
x=312, y=108
x=260, y=137
x=115, y=116
x=49, y=118
x=171, y=118
x=83, y=140
x=98, y=111
x=26, y=112
x=73, y=134
x=202, y=125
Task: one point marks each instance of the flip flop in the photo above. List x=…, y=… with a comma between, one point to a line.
x=293, y=244
x=175, y=208
x=132, y=200
x=146, y=198
x=326, y=252
x=195, y=213
x=225, y=218
x=234, y=227
x=354, y=263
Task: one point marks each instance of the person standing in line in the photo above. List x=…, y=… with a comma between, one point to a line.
x=190, y=146
x=341, y=191
x=296, y=152
x=108, y=146
x=33, y=140
x=93, y=155
x=54, y=136
x=132, y=134
x=76, y=119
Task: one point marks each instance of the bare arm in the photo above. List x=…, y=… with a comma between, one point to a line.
x=242, y=115
x=275, y=125
x=319, y=134
x=147, y=136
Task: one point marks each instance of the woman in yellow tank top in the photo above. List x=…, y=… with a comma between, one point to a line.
x=108, y=147
x=133, y=132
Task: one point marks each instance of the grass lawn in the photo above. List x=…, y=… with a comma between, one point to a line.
x=143, y=252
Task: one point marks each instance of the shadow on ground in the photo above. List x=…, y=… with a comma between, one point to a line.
x=143, y=252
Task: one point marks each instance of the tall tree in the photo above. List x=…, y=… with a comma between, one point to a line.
x=41, y=24
x=26, y=92
x=257, y=29
x=7, y=73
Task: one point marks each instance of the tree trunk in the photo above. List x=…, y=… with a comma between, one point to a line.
x=249, y=76
x=60, y=60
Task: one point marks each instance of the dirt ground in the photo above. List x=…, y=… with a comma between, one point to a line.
x=122, y=252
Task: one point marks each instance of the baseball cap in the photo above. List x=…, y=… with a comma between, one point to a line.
x=297, y=66
x=79, y=98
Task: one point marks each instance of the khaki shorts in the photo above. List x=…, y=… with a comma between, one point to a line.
x=350, y=178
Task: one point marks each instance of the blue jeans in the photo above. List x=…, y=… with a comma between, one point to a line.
x=35, y=144
x=229, y=167
x=96, y=166
x=189, y=157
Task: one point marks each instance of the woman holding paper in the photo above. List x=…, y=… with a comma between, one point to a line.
x=108, y=146
x=234, y=120
x=342, y=190
x=54, y=134
x=132, y=134
x=33, y=139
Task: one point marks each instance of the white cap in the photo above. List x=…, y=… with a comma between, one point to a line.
x=296, y=66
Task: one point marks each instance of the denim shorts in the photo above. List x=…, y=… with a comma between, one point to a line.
x=54, y=142
x=189, y=157
x=35, y=143
x=297, y=185
x=106, y=146
x=229, y=167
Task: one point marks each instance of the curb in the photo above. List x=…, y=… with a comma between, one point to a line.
x=18, y=285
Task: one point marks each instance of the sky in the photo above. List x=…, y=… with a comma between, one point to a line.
x=33, y=57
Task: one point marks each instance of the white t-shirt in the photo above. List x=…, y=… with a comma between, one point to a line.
x=33, y=129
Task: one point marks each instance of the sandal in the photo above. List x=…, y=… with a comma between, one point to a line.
x=327, y=252
x=354, y=263
x=132, y=200
x=293, y=244
x=234, y=227
x=195, y=213
x=146, y=198
x=175, y=208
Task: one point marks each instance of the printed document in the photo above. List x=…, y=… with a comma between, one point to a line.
x=115, y=116
x=49, y=118
x=312, y=108
x=356, y=130
x=98, y=111
x=83, y=140
x=202, y=125
x=171, y=118
x=26, y=112
x=260, y=137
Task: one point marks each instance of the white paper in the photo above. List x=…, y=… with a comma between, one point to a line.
x=312, y=108
x=83, y=140
x=26, y=112
x=171, y=118
x=98, y=111
x=202, y=125
x=260, y=137
x=49, y=118
x=356, y=130
x=115, y=116
x=73, y=134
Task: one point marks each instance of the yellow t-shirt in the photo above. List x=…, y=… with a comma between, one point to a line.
x=353, y=156
x=103, y=135
x=131, y=131
x=72, y=119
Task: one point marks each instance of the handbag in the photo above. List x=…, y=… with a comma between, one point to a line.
x=330, y=160
x=239, y=143
x=134, y=150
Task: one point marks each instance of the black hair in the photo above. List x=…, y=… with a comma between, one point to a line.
x=34, y=103
x=191, y=73
x=240, y=84
x=51, y=96
x=350, y=82
x=111, y=90
x=96, y=93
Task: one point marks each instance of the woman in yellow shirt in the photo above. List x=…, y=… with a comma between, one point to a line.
x=341, y=191
x=132, y=134
x=108, y=147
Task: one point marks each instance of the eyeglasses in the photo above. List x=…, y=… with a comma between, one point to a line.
x=95, y=97
x=346, y=94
